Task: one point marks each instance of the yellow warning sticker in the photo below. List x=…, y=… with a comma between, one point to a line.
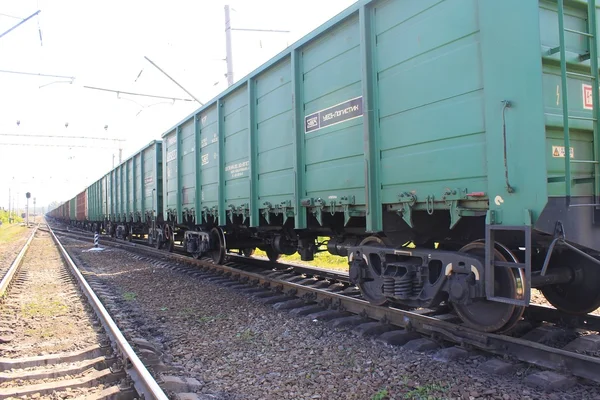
x=559, y=151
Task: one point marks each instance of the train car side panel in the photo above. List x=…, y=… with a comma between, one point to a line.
x=275, y=137
x=73, y=209
x=130, y=188
x=187, y=165
x=236, y=161
x=81, y=206
x=138, y=186
x=209, y=162
x=152, y=178
x=427, y=160
x=170, y=159
x=332, y=99
x=516, y=198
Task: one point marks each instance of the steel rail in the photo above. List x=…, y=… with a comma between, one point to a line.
x=14, y=267
x=144, y=383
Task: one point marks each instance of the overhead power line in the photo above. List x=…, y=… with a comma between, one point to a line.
x=167, y=75
x=259, y=30
x=22, y=22
x=60, y=136
x=55, y=145
x=10, y=16
x=38, y=74
x=137, y=94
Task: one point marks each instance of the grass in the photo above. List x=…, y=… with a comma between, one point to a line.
x=10, y=233
x=381, y=395
x=44, y=307
x=247, y=335
x=210, y=318
x=424, y=392
x=4, y=216
x=129, y=296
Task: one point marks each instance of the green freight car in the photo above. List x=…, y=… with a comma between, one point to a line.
x=95, y=200
x=449, y=149
x=134, y=194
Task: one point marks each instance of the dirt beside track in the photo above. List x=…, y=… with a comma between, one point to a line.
x=240, y=348
x=12, y=239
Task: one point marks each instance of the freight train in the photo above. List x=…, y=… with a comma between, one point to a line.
x=449, y=149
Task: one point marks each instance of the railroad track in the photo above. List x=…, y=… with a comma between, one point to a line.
x=564, y=346
x=56, y=338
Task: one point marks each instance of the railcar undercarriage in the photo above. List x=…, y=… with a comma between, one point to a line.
x=434, y=268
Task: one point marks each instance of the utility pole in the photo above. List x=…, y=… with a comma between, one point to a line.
x=228, y=30
x=228, y=44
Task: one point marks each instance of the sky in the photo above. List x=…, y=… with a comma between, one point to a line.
x=104, y=45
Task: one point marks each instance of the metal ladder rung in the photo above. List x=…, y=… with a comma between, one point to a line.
x=582, y=57
x=592, y=55
x=579, y=32
x=581, y=118
x=578, y=75
x=553, y=50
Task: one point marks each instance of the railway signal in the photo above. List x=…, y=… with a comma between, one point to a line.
x=28, y=195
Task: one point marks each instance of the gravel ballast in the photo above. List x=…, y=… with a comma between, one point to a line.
x=44, y=310
x=239, y=348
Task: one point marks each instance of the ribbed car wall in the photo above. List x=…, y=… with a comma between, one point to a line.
x=171, y=170
x=427, y=57
x=138, y=184
x=209, y=158
x=130, y=187
x=187, y=164
x=105, y=196
x=236, y=148
x=332, y=76
x=117, y=194
x=274, y=135
x=73, y=209
x=152, y=170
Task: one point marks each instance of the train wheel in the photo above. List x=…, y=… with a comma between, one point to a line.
x=169, y=238
x=248, y=252
x=272, y=254
x=158, y=242
x=491, y=316
x=218, y=254
x=581, y=295
x=372, y=290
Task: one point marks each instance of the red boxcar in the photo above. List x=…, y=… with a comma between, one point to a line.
x=81, y=206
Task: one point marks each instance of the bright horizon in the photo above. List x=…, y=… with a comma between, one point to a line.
x=104, y=45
